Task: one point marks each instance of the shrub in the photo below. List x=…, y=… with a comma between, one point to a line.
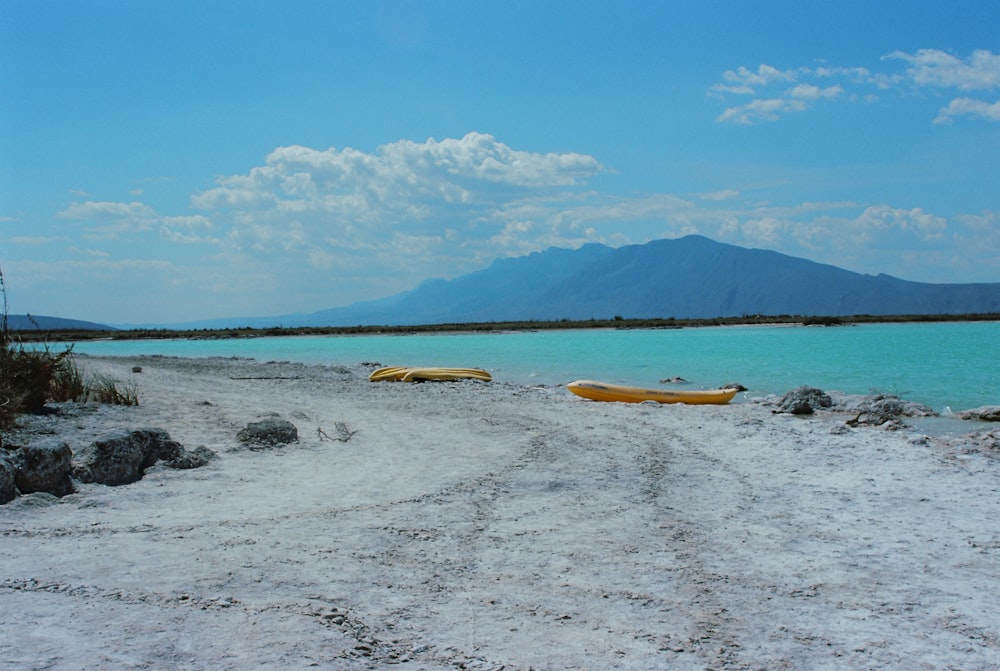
x=29, y=378
x=104, y=389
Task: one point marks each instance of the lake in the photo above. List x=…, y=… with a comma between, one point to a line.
x=950, y=365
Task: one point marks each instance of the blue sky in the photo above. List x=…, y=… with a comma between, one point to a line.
x=164, y=161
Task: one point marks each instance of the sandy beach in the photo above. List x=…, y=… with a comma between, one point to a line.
x=494, y=526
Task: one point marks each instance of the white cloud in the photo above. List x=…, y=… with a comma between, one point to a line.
x=967, y=106
x=745, y=79
x=932, y=67
x=761, y=110
x=30, y=240
x=927, y=68
x=723, y=194
x=764, y=231
x=111, y=220
x=307, y=199
x=811, y=92
x=920, y=224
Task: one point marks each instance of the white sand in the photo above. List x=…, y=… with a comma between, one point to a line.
x=488, y=526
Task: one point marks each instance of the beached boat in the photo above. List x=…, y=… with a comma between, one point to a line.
x=604, y=391
x=413, y=374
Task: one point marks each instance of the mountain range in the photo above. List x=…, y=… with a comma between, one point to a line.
x=686, y=278
x=40, y=323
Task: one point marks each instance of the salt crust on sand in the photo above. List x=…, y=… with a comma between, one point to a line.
x=491, y=526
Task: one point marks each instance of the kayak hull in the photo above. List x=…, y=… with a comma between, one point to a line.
x=414, y=374
x=604, y=391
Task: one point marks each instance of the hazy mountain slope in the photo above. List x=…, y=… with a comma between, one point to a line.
x=691, y=277
x=40, y=322
x=506, y=290
x=696, y=277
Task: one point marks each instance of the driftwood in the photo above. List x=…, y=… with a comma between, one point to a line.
x=343, y=433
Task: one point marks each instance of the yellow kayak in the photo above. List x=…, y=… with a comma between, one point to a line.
x=412, y=374
x=603, y=391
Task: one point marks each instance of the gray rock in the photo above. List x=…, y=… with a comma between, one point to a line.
x=268, y=433
x=117, y=459
x=44, y=467
x=885, y=405
x=8, y=473
x=881, y=410
x=122, y=458
x=980, y=441
x=195, y=458
x=803, y=401
x=986, y=413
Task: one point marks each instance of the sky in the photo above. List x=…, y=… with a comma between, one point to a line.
x=164, y=161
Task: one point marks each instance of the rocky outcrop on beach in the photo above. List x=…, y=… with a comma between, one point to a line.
x=50, y=466
x=268, y=433
x=8, y=489
x=874, y=410
x=986, y=413
x=44, y=466
x=122, y=458
x=883, y=410
x=802, y=401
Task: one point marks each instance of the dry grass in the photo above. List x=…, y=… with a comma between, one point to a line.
x=30, y=378
x=105, y=389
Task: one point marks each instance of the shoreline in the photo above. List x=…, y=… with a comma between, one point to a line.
x=168, y=333
x=499, y=526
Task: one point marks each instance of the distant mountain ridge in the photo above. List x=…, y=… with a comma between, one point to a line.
x=686, y=278
x=43, y=323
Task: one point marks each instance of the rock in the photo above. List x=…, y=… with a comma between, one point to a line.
x=155, y=445
x=191, y=459
x=114, y=460
x=8, y=473
x=734, y=385
x=268, y=433
x=122, y=458
x=888, y=405
x=44, y=467
x=803, y=401
x=986, y=413
x=881, y=410
x=980, y=441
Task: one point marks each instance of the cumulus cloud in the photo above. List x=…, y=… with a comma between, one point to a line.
x=30, y=240
x=310, y=199
x=723, y=194
x=745, y=81
x=365, y=224
x=778, y=92
x=109, y=219
x=811, y=92
x=922, y=225
x=932, y=67
x=762, y=110
x=118, y=220
x=969, y=107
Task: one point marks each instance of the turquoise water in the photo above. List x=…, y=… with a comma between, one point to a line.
x=943, y=365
